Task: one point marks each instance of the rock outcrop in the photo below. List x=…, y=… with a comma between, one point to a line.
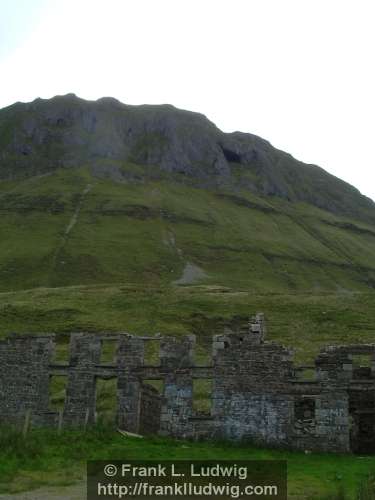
x=109, y=136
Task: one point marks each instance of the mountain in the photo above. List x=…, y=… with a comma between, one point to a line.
x=95, y=192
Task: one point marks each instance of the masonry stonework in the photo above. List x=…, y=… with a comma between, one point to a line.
x=258, y=394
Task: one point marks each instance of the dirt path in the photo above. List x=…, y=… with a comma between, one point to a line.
x=72, y=223
x=77, y=211
x=75, y=492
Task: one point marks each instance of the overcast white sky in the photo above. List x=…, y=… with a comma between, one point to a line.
x=299, y=73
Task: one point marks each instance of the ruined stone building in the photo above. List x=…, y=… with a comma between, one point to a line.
x=257, y=394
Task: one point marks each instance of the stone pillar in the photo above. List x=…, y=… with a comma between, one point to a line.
x=80, y=402
x=176, y=358
x=129, y=385
x=257, y=328
x=24, y=375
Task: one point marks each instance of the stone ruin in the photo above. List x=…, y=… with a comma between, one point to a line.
x=257, y=392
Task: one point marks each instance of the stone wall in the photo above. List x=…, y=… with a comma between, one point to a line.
x=257, y=392
x=251, y=387
x=24, y=378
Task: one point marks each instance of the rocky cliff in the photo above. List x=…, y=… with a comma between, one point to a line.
x=67, y=131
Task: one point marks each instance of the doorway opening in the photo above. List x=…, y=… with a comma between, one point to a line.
x=106, y=402
x=362, y=420
x=150, y=409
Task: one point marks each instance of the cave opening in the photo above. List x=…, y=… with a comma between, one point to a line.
x=231, y=156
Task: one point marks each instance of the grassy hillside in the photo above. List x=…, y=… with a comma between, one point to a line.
x=303, y=321
x=161, y=256
x=70, y=228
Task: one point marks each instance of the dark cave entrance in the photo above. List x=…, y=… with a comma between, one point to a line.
x=231, y=156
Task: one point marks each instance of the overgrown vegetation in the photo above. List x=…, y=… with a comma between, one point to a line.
x=47, y=458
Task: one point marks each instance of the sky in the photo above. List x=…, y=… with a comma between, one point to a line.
x=299, y=73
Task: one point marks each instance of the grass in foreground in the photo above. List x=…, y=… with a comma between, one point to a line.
x=47, y=458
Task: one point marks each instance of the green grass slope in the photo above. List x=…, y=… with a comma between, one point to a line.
x=301, y=320
x=71, y=228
